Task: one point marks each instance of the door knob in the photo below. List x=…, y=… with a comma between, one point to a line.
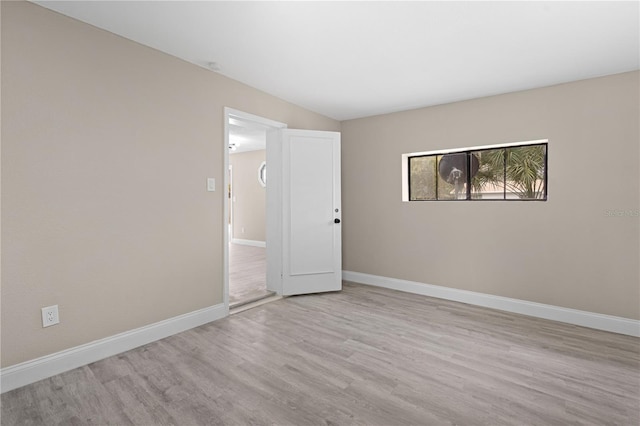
x=336, y=220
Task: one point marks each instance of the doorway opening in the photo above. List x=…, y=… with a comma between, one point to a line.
x=246, y=243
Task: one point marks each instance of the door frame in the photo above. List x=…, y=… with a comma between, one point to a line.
x=230, y=113
x=229, y=189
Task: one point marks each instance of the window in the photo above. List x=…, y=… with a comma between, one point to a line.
x=506, y=172
x=262, y=174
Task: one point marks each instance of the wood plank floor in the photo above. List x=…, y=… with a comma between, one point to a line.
x=363, y=356
x=247, y=274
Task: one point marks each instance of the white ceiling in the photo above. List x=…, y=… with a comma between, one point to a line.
x=246, y=136
x=354, y=59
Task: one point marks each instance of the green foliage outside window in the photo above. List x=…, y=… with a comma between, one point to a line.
x=517, y=172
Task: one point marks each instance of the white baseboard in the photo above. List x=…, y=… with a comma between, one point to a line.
x=249, y=242
x=572, y=316
x=27, y=372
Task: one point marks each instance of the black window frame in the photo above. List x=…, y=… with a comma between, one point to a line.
x=469, y=178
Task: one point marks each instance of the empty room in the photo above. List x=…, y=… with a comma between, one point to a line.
x=438, y=204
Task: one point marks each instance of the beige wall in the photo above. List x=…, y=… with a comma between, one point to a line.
x=106, y=146
x=106, y=149
x=563, y=252
x=249, y=205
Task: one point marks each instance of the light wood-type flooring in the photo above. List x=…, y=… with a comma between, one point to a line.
x=247, y=274
x=363, y=356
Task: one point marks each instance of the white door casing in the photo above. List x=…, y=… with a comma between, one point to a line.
x=231, y=114
x=304, y=229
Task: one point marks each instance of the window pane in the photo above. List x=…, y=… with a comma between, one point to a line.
x=515, y=172
x=422, y=178
x=525, y=172
x=452, y=176
x=488, y=182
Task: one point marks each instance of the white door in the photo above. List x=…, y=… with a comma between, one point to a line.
x=310, y=246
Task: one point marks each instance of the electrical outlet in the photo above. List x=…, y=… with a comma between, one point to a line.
x=50, y=316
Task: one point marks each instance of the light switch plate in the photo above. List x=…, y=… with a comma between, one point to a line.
x=211, y=184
